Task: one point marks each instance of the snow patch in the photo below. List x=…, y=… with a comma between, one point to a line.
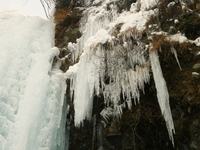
x=179, y=37
x=146, y=4
x=197, y=41
x=176, y=21
x=171, y=4
x=195, y=73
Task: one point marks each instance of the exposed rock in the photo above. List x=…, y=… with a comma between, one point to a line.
x=67, y=26
x=195, y=134
x=114, y=128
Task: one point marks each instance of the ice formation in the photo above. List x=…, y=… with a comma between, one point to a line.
x=147, y=4
x=113, y=61
x=31, y=92
x=162, y=93
x=175, y=55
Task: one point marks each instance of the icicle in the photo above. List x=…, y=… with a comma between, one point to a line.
x=162, y=93
x=175, y=55
x=94, y=19
x=83, y=93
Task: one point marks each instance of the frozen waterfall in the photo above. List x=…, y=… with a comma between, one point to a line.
x=110, y=60
x=31, y=92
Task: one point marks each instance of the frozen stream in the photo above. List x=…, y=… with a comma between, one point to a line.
x=31, y=92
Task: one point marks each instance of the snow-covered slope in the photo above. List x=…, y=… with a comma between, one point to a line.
x=31, y=92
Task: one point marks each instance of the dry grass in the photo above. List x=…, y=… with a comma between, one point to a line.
x=131, y=31
x=158, y=42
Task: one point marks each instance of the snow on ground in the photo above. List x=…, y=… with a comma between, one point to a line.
x=31, y=94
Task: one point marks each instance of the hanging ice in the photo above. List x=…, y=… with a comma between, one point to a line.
x=113, y=60
x=31, y=94
x=86, y=79
x=119, y=58
x=162, y=93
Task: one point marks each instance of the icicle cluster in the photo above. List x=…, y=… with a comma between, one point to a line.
x=113, y=61
x=84, y=80
x=123, y=71
x=94, y=19
x=110, y=63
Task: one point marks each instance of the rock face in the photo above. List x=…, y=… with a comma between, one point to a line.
x=143, y=127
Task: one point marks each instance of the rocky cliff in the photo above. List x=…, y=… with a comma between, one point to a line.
x=174, y=33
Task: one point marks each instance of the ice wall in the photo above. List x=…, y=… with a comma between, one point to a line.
x=31, y=92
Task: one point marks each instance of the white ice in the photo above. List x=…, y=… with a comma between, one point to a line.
x=102, y=51
x=31, y=93
x=197, y=41
x=162, y=93
x=179, y=37
x=97, y=26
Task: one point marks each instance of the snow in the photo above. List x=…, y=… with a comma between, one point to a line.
x=197, y=41
x=179, y=37
x=100, y=37
x=146, y=4
x=115, y=63
x=162, y=93
x=176, y=21
x=97, y=20
x=96, y=1
x=195, y=73
x=171, y=4
x=130, y=20
x=32, y=94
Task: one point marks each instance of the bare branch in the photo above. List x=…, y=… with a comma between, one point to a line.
x=46, y=4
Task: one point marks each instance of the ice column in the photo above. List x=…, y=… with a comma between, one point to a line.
x=162, y=93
